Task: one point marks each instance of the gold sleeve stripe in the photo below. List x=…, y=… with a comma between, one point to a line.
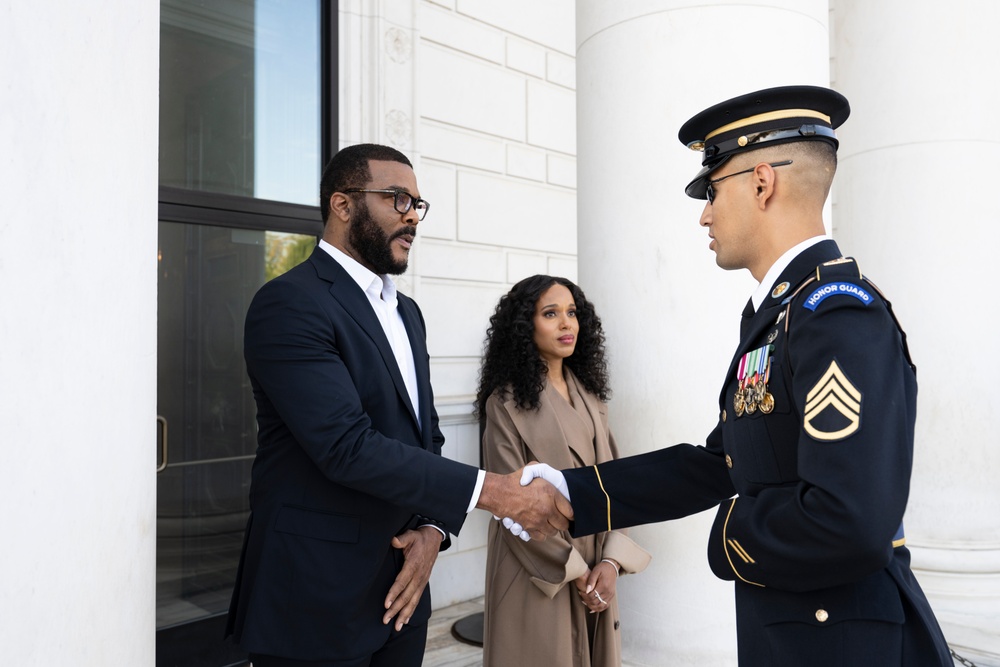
x=740, y=551
x=898, y=543
x=601, y=484
x=724, y=528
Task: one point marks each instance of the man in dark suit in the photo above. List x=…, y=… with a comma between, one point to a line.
x=350, y=499
x=816, y=414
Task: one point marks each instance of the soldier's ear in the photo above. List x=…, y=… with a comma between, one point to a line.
x=763, y=180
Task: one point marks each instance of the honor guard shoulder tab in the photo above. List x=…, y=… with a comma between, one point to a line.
x=842, y=276
x=829, y=277
x=838, y=277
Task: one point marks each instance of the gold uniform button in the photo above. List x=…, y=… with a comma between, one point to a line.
x=723, y=416
x=821, y=615
x=729, y=461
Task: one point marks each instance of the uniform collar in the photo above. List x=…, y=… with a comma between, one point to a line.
x=767, y=285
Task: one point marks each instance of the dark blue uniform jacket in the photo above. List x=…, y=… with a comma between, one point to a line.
x=820, y=471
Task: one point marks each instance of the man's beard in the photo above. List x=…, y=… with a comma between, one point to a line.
x=372, y=244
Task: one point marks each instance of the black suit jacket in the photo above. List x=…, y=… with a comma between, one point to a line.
x=821, y=480
x=342, y=466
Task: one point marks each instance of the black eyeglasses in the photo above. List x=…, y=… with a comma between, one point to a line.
x=710, y=191
x=402, y=201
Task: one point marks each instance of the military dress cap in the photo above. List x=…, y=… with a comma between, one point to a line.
x=764, y=118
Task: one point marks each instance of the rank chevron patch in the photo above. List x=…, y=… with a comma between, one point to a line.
x=833, y=406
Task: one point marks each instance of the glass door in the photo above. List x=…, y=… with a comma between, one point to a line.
x=207, y=277
x=242, y=118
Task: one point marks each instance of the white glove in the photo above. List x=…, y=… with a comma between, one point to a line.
x=549, y=474
x=514, y=527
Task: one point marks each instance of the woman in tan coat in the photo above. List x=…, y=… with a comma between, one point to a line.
x=542, y=397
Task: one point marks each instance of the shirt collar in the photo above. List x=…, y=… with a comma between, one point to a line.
x=379, y=287
x=775, y=271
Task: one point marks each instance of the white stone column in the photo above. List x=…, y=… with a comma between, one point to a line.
x=915, y=202
x=671, y=314
x=78, y=238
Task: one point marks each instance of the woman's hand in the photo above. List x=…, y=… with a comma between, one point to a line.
x=597, y=587
x=588, y=600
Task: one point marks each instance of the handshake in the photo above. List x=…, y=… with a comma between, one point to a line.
x=530, y=508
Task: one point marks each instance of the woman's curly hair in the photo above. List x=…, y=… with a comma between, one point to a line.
x=511, y=362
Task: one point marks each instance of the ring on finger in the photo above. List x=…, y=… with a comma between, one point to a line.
x=598, y=596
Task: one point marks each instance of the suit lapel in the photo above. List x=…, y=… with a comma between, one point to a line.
x=355, y=302
x=418, y=345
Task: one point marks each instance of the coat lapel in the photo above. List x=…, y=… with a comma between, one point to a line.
x=598, y=411
x=541, y=432
x=355, y=302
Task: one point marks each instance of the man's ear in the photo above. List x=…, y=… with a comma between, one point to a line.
x=340, y=206
x=763, y=180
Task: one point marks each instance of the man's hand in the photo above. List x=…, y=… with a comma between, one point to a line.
x=420, y=550
x=539, y=508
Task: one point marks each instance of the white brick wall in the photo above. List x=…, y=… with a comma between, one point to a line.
x=496, y=136
x=503, y=210
x=465, y=91
x=551, y=23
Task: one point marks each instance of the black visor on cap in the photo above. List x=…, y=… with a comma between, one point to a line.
x=698, y=187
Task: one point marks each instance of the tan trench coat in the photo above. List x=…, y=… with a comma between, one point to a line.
x=533, y=612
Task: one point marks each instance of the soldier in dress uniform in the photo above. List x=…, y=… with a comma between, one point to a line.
x=810, y=460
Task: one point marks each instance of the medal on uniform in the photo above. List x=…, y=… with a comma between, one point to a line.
x=751, y=390
x=758, y=392
x=739, y=403
x=752, y=375
x=766, y=401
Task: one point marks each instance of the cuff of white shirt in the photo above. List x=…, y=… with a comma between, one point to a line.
x=444, y=535
x=477, y=491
